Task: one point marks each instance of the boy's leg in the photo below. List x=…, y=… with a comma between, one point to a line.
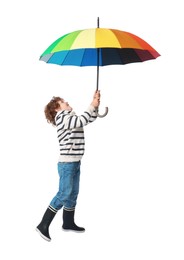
x=69, y=206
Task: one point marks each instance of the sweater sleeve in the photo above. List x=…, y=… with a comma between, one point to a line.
x=93, y=115
x=71, y=121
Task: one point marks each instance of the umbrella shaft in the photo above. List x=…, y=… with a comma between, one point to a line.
x=97, y=78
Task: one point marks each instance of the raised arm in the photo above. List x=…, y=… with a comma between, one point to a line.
x=69, y=120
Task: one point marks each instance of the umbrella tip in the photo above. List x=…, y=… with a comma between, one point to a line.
x=98, y=22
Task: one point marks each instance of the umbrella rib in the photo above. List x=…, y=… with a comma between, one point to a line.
x=65, y=57
x=82, y=57
x=68, y=52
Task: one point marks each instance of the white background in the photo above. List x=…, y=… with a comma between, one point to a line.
x=131, y=195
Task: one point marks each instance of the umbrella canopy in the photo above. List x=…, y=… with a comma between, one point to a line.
x=98, y=47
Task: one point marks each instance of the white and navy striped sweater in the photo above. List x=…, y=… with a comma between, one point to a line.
x=71, y=133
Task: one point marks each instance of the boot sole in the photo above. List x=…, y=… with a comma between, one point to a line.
x=72, y=230
x=44, y=237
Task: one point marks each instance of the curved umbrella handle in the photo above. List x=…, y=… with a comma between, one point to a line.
x=106, y=112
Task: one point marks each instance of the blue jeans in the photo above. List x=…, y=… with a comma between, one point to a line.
x=69, y=177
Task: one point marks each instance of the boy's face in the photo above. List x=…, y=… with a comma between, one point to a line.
x=63, y=105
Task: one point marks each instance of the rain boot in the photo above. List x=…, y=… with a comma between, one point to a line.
x=43, y=227
x=68, y=221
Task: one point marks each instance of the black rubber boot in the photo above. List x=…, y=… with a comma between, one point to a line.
x=68, y=221
x=43, y=227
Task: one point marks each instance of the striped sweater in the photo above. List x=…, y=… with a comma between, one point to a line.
x=70, y=133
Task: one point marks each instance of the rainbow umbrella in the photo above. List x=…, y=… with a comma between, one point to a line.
x=98, y=47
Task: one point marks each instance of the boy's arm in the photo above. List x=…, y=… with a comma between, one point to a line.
x=71, y=121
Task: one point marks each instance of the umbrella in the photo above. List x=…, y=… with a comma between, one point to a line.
x=98, y=47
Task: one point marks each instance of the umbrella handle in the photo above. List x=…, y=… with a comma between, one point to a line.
x=106, y=112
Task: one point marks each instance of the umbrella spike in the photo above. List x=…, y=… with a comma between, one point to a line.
x=98, y=22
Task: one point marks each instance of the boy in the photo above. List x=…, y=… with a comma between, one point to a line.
x=70, y=134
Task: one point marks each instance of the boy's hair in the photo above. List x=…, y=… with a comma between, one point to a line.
x=50, y=110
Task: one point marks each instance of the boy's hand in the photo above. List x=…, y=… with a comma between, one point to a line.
x=96, y=99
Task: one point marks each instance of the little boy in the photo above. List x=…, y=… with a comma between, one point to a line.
x=70, y=134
